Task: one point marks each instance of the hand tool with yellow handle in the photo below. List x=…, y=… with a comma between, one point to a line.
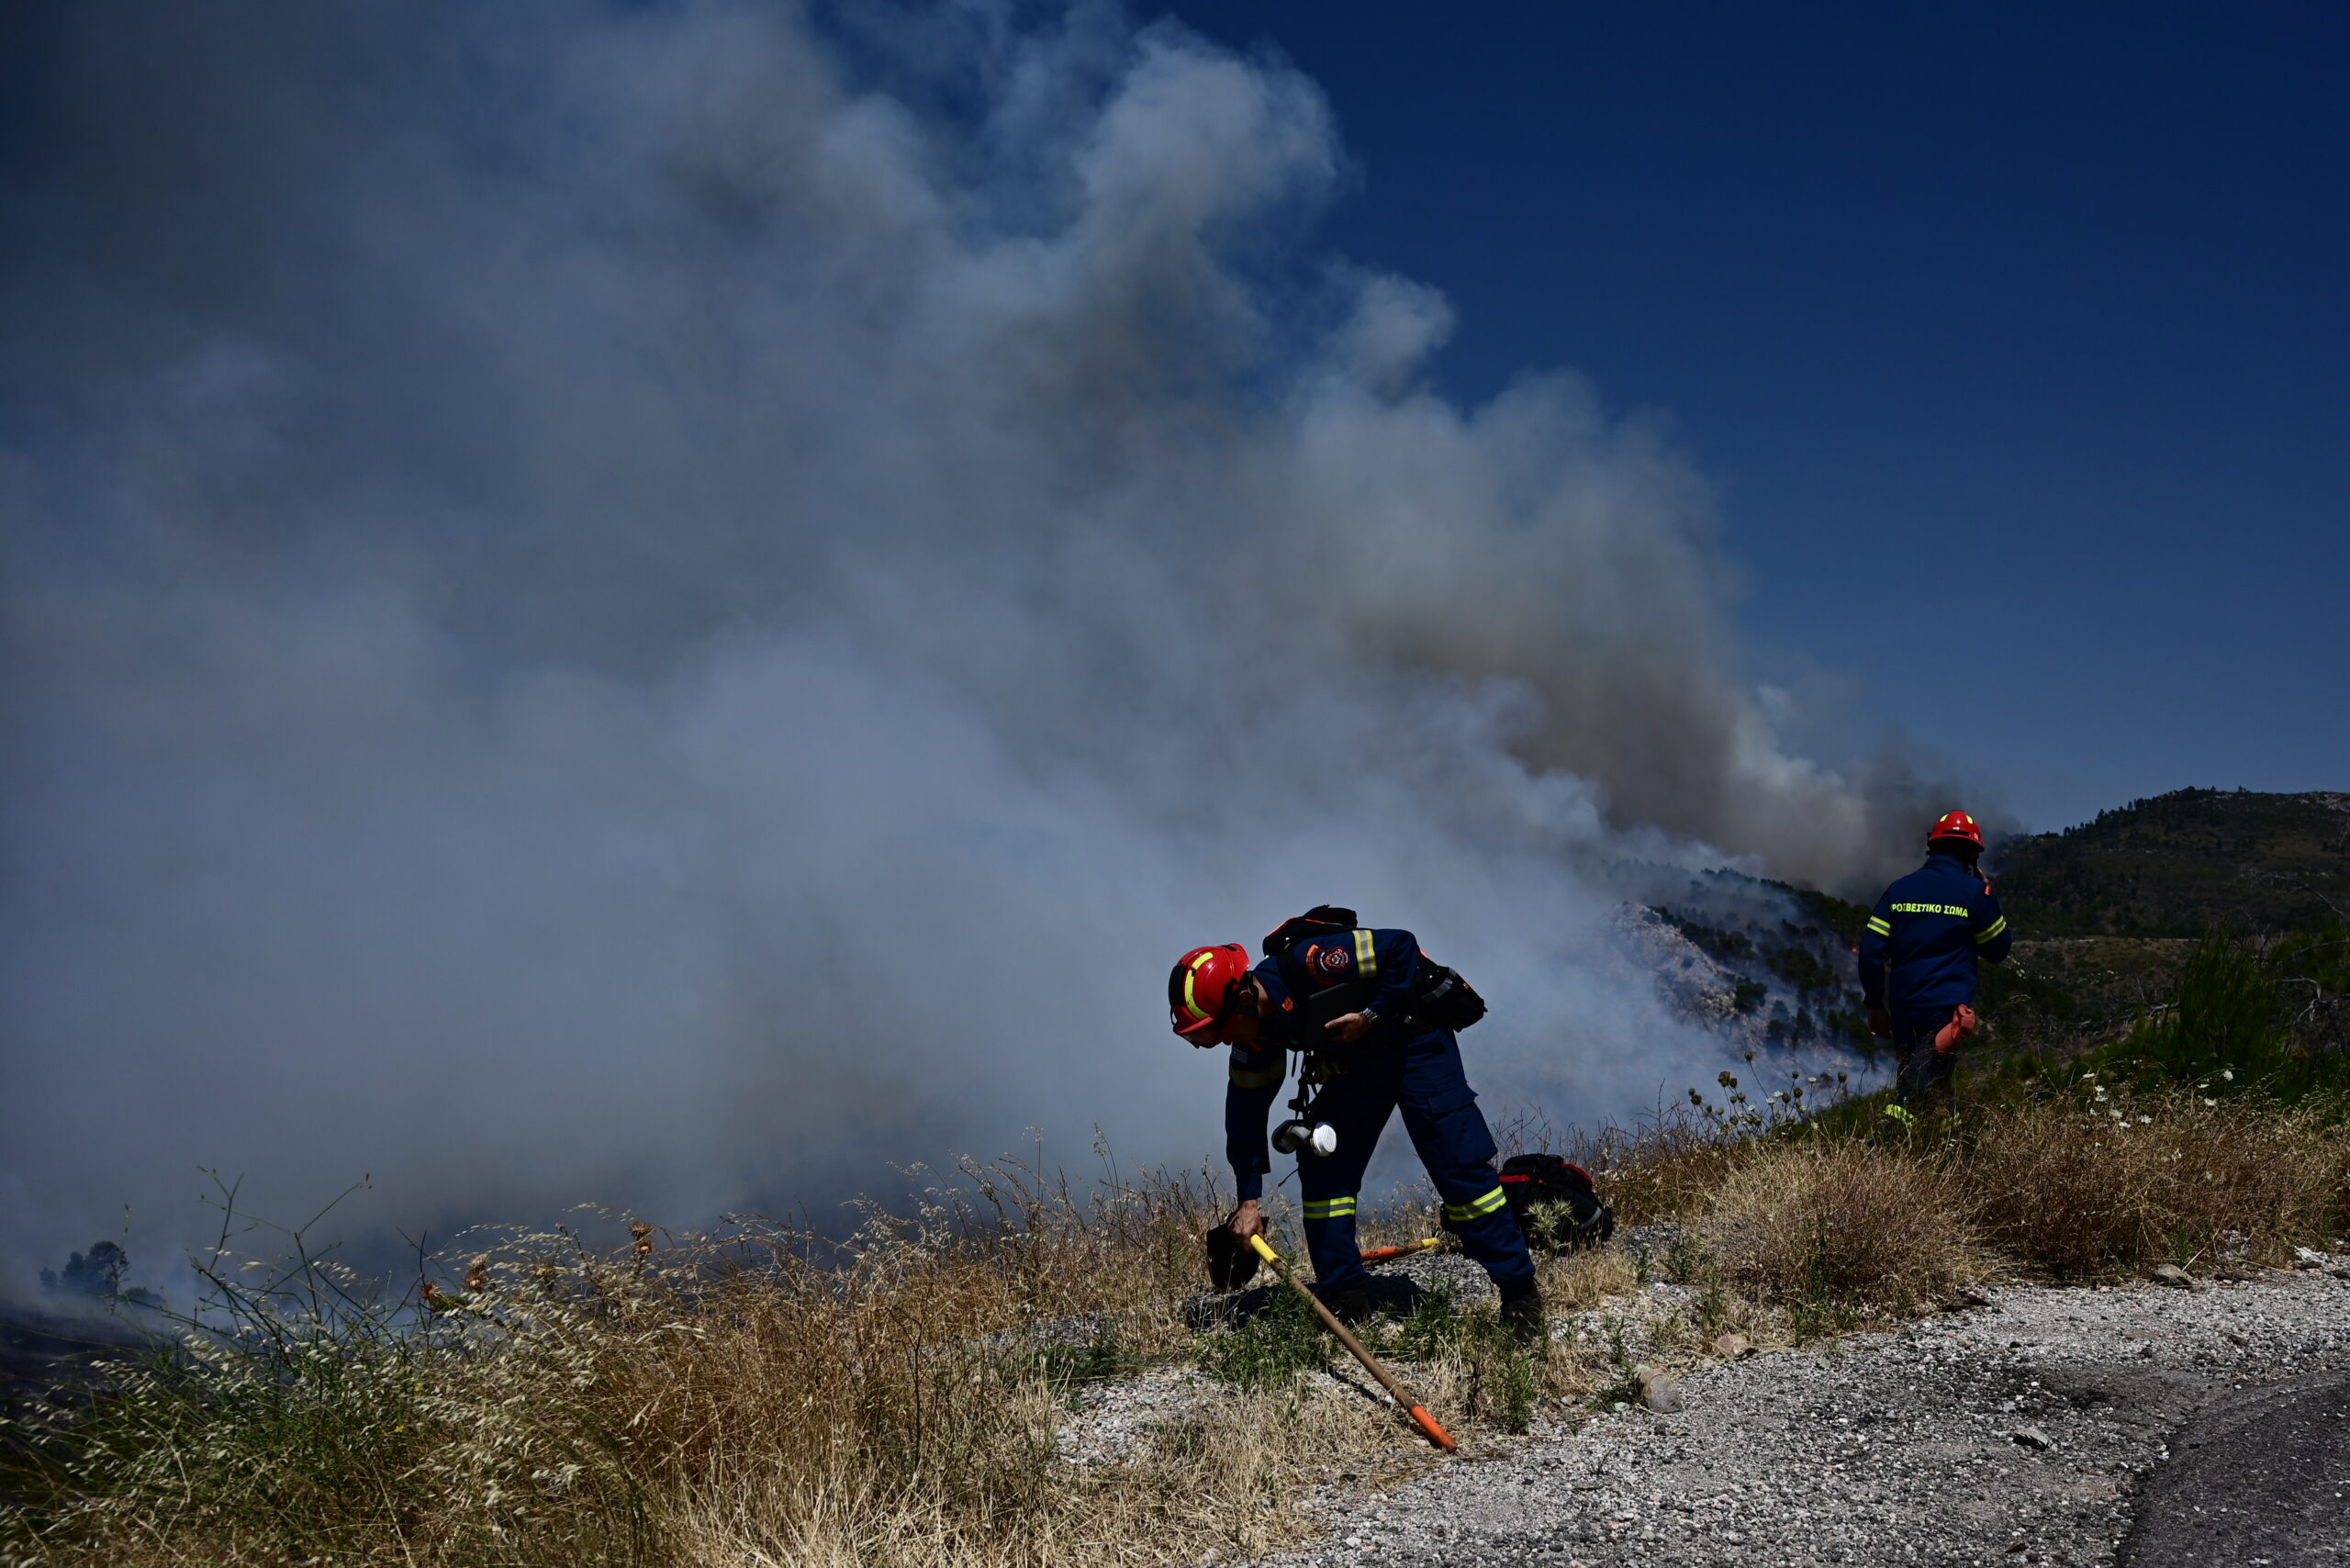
x=1380, y=1254
x=1412, y=1408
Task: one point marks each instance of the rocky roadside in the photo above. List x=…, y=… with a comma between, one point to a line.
x=2020, y=1432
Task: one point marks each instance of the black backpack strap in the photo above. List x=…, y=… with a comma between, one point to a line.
x=1323, y=918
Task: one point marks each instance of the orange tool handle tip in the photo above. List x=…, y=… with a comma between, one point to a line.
x=1436, y=1433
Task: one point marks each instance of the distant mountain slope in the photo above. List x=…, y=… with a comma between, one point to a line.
x=2177, y=864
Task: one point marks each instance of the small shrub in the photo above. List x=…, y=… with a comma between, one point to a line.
x=1714, y=1311
x=2226, y=1016
x=1465, y=1364
x=1105, y=1355
x=1824, y=1220
x=1512, y=1383
x=1685, y=1259
x=1431, y=1330
x=1271, y=1350
x=2266, y=1016
x=1620, y=1382
x=2101, y=1181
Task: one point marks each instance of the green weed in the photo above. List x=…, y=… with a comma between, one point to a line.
x=1106, y=1355
x=1271, y=1350
x=1433, y=1328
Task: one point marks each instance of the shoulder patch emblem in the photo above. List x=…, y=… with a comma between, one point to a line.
x=1330, y=960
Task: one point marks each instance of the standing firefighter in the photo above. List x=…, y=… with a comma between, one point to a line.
x=1932, y=929
x=1374, y=1017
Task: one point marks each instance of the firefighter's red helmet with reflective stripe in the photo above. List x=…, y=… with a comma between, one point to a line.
x=1206, y=986
x=1958, y=825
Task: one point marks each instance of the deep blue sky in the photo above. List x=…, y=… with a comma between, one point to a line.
x=2018, y=343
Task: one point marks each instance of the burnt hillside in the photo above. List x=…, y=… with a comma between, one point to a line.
x=2178, y=864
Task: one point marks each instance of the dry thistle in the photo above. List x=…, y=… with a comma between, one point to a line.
x=644, y=1233
x=477, y=1274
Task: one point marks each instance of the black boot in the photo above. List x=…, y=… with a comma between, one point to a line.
x=1522, y=1316
x=1351, y=1307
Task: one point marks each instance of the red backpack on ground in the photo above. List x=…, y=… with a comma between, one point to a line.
x=1554, y=1202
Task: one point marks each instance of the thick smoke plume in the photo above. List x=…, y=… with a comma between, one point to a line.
x=657, y=604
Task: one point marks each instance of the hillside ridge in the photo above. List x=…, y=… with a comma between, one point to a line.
x=2178, y=864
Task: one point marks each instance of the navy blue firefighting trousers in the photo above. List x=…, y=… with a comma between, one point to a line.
x=1923, y=1076
x=1423, y=1079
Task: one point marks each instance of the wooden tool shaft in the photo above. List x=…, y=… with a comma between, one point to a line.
x=1402, y=1397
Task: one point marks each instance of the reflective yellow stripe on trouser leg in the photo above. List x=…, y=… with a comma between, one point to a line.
x=1478, y=1208
x=1329, y=1208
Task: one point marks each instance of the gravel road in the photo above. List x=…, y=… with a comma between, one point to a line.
x=2024, y=1431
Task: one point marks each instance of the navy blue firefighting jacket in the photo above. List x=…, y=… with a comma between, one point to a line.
x=1381, y=969
x=1931, y=929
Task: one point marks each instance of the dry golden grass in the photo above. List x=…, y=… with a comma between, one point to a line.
x=892, y=1402
x=1665, y=1171
x=1874, y=1229
x=2086, y=1183
x=2098, y=1183
x=1572, y=1282
x=757, y=1398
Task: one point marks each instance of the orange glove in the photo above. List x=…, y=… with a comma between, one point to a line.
x=1961, y=1023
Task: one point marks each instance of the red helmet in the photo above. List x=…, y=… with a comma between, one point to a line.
x=1958, y=825
x=1206, y=986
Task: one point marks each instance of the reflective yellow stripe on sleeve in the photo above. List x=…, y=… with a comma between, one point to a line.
x=1366, y=956
x=1992, y=930
x=1264, y=1078
x=1883, y=928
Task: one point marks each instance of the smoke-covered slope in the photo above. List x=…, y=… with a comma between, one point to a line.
x=599, y=604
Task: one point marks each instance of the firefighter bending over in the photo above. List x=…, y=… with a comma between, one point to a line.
x=1931, y=930
x=1357, y=1003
